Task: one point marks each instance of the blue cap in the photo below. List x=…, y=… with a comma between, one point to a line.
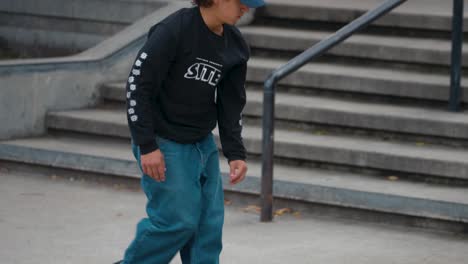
x=253, y=3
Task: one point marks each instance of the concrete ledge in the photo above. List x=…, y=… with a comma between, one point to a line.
x=48, y=39
x=32, y=87
x=60, y=24
x=97, y=10
x=344, y=190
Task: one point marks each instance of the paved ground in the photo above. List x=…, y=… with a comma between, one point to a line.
x=57, y=219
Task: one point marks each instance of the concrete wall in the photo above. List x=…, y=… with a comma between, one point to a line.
x=49, y=28
x=30, y=88
x=96, y=10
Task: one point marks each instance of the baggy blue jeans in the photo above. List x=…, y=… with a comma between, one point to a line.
x=186, y=211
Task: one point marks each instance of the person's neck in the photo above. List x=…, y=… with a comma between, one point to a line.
x=211, y=21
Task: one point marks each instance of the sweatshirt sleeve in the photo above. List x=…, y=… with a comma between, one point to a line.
x=231, y=99
x=144, y=83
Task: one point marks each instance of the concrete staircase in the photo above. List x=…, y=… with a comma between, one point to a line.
x=56, y=28
x=364, y=129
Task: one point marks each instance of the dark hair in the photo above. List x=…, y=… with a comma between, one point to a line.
x=203, y=3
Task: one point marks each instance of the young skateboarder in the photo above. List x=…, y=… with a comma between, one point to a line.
x=188, y=77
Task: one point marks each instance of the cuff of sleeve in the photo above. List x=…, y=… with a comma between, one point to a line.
x=231, y=158
x=148, y=147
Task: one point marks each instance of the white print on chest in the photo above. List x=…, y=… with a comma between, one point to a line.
x=204, y=71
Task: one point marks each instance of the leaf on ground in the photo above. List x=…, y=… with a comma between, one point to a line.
x=393, y=178
x=297, y=214
x=227, y=202
x=53, y=177
x=420, y=144
x=283, y=211
x=252, y=208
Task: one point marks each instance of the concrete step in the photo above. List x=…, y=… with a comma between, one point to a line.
x=376, y=47
x=48, y=23
x=398, y=158
x=362, y=115
x=414, y=14
x=113, y=156
x=354, y=79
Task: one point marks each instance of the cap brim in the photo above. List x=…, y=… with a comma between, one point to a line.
x=253, y=3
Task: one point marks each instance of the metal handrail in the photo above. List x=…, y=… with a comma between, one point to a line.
x=317, y=50
x=457, y=39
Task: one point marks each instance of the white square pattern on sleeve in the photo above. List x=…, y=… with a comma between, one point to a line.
x=133, y=87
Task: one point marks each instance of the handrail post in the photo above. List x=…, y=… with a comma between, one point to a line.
x=457, y=39
x=266, y=196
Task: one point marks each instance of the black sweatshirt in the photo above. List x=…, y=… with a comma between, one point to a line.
x=184, y=80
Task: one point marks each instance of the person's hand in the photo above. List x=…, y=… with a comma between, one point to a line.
x=153, y=165
x=237, y=171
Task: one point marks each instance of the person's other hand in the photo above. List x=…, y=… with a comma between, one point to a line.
x=153, y=165
x=238, y=169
